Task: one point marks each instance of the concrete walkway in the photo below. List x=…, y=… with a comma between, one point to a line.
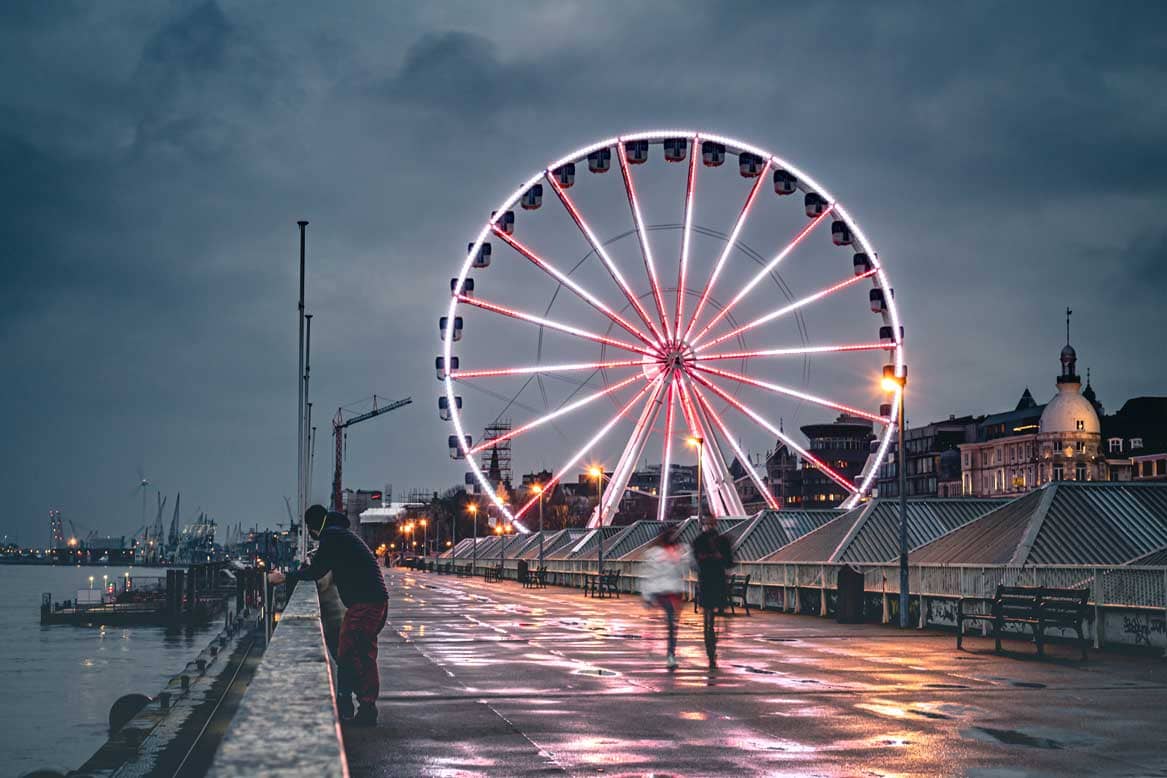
x=493, y=679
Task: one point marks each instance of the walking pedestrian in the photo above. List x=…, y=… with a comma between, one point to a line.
x=361, y=586
x=665, y=563
x=714, y=557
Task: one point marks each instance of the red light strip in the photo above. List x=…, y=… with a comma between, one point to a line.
x=787, y=309
x=808, y=229
x=562, y=278
x=602, y=254
x=729, y=244
x=574, y=406
x=683, y=271
x=507, y=371
x=818, y=463
x=589, y=445
x=478, y=302
x=645, y=249
x=741, y=455
x=779, y=389
x=787, y=352
x=663, y=491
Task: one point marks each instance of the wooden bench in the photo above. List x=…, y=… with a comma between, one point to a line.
x=737, y=587
x=535, y=578
x=602, y=584
x=493, y=574
x=1039, y=607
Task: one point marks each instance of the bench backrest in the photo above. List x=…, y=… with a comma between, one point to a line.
x=1048, y=601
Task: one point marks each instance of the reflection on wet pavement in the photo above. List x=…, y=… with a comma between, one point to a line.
x=492, y=679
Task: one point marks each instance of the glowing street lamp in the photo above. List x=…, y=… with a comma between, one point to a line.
x=538, y=490
x=897, y=383
x=698, y=442
x=473, y=509
x=597, y=473
x=425, y=548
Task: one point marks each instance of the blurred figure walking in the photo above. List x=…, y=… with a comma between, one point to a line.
x=714, y=557
x=665, y=564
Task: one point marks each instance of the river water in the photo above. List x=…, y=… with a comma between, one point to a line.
x=57, y=683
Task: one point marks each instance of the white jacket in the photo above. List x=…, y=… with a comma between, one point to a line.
x=664, y=570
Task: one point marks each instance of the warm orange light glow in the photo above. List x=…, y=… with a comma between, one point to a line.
x=536, y=489
x=889, y=384
x=472, y=508
x=695, y=440
x=595, y=472
x=422, y=522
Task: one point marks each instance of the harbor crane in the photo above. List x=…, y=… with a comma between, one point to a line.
x=340, y=426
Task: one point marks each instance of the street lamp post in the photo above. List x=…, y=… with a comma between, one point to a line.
x=538, y=489
x=425, y=545
x=699, y=443
x=598, y=474
x=898, y=384
x=473, y=508
x=453, y=540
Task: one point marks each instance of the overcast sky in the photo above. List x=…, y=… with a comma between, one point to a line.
x=1008, y=160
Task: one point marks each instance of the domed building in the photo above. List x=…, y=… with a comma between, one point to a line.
x=1013, y=454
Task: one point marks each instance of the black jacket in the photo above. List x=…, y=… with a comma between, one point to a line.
x=354, y=569
x=714, y=556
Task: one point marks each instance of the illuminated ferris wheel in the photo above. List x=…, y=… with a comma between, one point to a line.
x=671, y=336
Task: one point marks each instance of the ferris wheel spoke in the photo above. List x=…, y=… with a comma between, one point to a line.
x=574, y=460
x=723, y=497
x=613, y=491
x=777, y=432
x=478, y=302
x=741, y=455
x=602, y=253
x=780, y=312
x=667, y=460
x=564, y=279
x=642, y=236
x=765, y=271
x=564, y=368
x=729, y=244
x=557, y=413
x=686, y=236
x=787, y=391
x=799, y=351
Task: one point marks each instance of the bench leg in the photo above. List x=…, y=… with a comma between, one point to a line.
x=1039, y=638
x=998, y=625
x=959, y=631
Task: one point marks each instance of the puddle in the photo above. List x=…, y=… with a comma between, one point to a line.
x=1029, y=685
x=945, y=686
x=928, y=714
x=757, y=670
x=594, y=671
x=1013, y=737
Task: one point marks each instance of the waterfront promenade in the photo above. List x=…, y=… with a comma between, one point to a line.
x=494, y=679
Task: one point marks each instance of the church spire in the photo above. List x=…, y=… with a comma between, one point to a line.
x=1069, y=358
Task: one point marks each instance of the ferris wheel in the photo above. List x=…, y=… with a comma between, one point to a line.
x=675, y=335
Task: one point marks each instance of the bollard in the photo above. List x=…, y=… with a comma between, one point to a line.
x=184, y=681
x=201, y=664
x=214, y=650
x=164, y=700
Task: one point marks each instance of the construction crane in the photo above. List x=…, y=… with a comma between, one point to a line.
x=340, y=434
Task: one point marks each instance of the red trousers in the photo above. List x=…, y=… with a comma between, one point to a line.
x=356, y=653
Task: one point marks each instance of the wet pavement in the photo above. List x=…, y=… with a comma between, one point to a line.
x=493, y=679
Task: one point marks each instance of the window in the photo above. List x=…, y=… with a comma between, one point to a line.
x=1161, y=467
x=1115, y=445
x=1080, y=425
x=1080, y=471
x=1136, y=443
x=1058, y=472
x=1080, y=447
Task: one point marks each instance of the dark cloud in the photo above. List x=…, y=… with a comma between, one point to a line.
x=1007, y=159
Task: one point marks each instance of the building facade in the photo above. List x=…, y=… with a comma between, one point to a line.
x=933, y=459
x=1012, y=455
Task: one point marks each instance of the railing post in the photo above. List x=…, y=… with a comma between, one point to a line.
x=1097, y=610
x=822, y=590
x=920, y=587
x=886, y=615
x=1165, y=609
